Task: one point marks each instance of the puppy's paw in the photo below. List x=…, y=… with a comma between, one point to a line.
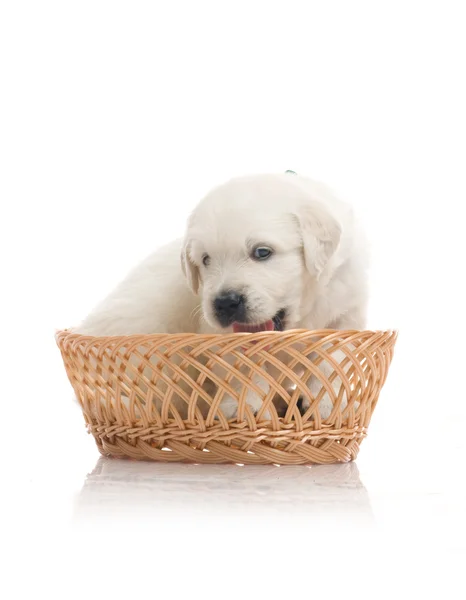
x=325, y=406
x=229, y=408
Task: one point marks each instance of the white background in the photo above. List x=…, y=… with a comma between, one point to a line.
x=115, y=119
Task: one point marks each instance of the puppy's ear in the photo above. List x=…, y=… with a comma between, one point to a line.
x=190, y=269
x=321, y=234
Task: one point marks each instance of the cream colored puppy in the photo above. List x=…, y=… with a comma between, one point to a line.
x=260, y=253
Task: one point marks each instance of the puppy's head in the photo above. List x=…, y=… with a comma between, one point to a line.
x=255, y=248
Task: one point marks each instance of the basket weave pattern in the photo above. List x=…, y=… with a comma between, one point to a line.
x=160, y=396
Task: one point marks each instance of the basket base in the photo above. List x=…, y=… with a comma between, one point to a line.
x=316, y=452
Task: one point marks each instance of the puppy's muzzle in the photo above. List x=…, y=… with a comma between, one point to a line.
x=230, y=307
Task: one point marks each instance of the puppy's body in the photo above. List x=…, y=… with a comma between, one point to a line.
x=314, y=277
x=154, y=298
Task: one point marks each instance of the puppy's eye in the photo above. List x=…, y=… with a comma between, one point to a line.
x=262, y=253
x=206, y=260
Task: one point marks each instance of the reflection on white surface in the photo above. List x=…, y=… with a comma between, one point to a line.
x=119, y=486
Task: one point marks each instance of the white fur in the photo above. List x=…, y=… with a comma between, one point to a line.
x=317, y=272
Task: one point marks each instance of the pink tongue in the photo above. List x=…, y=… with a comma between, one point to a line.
x=243, y=328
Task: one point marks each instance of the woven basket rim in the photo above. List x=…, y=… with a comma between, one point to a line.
x=60, y=333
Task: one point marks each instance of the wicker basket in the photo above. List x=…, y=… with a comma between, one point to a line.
x=160, y=397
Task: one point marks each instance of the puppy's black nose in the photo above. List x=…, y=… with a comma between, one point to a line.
x=229, y=307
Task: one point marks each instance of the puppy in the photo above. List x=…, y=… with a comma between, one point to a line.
x=260, y=253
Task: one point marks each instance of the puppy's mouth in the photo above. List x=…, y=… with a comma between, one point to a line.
x=276, y=323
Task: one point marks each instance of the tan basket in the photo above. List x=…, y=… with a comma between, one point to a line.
x=159, y=396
